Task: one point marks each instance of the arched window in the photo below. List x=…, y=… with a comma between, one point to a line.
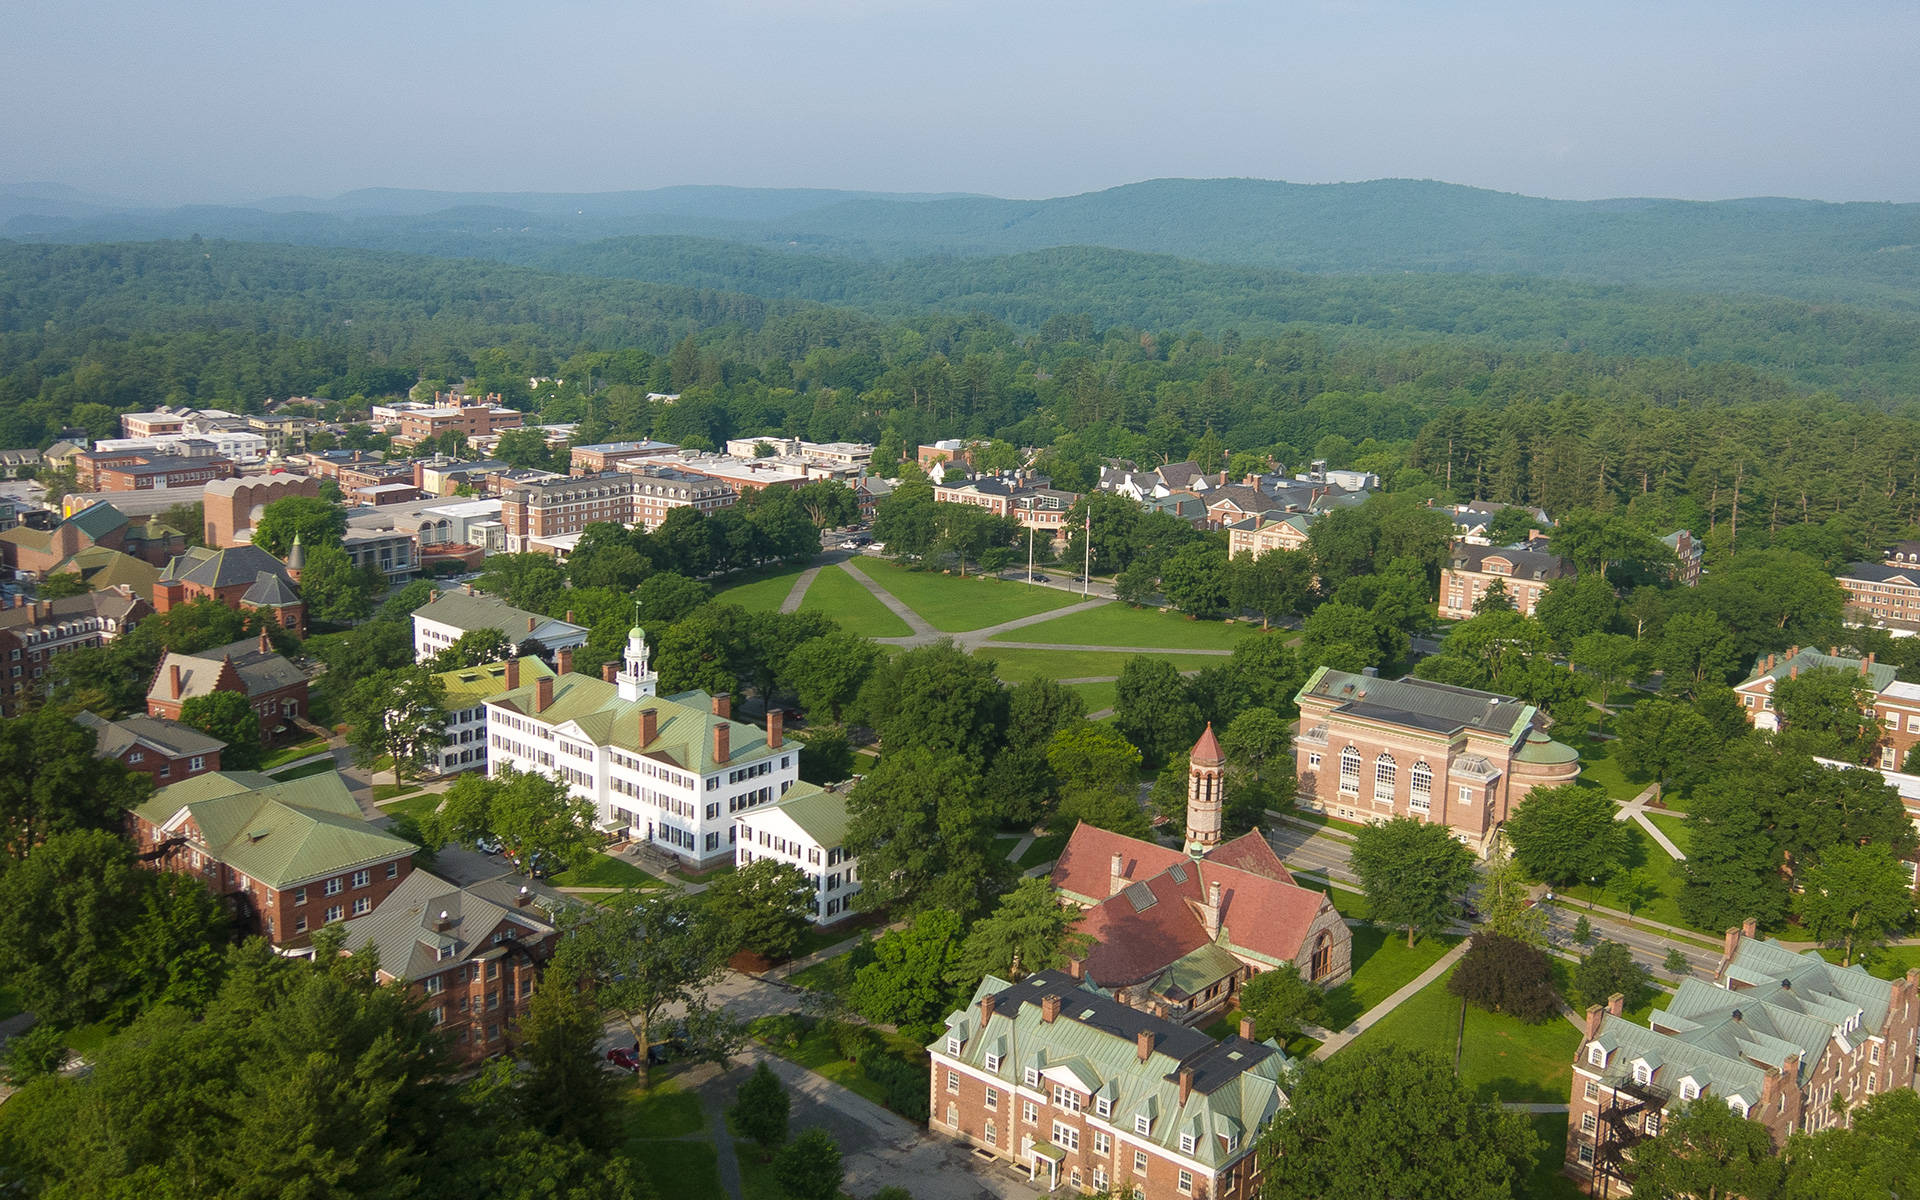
x=1420, y=787
x=1350, y=770
x=1384, y=774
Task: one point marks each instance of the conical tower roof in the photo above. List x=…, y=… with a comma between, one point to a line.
x=1206, y=751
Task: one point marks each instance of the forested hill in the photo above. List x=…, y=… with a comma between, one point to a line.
x=1865, y=254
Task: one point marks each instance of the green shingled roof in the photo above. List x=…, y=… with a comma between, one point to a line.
x=683, y=738
x=1878, y=674
x=280, y=833
x=471, y=685
x=822, y=814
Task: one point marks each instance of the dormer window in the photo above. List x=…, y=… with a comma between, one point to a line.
x=1596, y=1055
x=1738, y=1106
x=993, y=1062
x=1032, y=1077
x=1102, y=1106
x=1689, y=1090
x=953, y=1045
x=1143, y=1124
x=1642, y=1073
x=1186, y=1143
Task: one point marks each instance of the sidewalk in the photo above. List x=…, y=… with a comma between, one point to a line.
x=1374, y=1015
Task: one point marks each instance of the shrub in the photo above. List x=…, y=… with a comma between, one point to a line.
x=1506, y=975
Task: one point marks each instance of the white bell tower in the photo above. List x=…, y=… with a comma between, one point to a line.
x=635, y=681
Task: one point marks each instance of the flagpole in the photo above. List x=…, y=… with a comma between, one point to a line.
x=1086, y=578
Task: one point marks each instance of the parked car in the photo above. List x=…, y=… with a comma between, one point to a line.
x=624, y=1059
x=536, y=866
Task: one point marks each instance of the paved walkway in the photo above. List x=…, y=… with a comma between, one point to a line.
x=799, y=590
x=922, y=632
x=1374, y=1015
x=1635, y=810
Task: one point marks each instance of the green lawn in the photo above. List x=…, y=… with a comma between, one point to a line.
x=829, y=976
x=1673, y=825
x=757, y=1181
x=383, y=792
x=1350, y=903
x=1546, y=1182
x=1599, y=764
x=1044, y=849
x=1888, y=962
x=819, y=937
x=1647, y=861
x=760, y=591
x=419, y=806
x=1500, y=1056
x=663, y=1136
x=287, y=754
x=819, y=1053
x=1118, y=625
x=840, y=596
x=955, y=605
x=1382, y=965
x=1099, y=696
x=313, y=768
x=1018, y=666
x=603, y=870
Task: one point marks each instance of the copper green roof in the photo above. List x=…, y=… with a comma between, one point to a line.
x=821, y=814
x=1198, y=970
x=683, y=737
x=469, y=686
x=97, y=520
x=280, y=833
x=1539, y=748
x=103, y=568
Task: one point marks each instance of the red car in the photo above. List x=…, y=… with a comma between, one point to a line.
x=624, y=1058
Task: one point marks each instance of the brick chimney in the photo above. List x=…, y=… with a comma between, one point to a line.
x=1050, y=1008
x=1211, y=912
x=443, y=922
x=542, y=694
x=513, y=673
x=723, y=706
x=523, y=897
x=986, y=1010
x=1617, y=1003
x=433, y=595
x=174, y=671
x=722, y=738
x=569, y=616
x=608, y=671
x=266, y=644
x=1793, y=651
x=563, y=661
x=1750, y=927
x=1076, y=967
x=1246, y=1029
x=1595, y=1014
x=776, y=728
x=1186, y=1085
x=1143, y=1044
x=530, y=624
x=1116, y=874
x=649, y=726
x=1833, y=652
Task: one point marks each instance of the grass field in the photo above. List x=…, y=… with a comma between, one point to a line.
x=287, y=754
x=1501, y=1056
x=1673, y=825
x=605, y=871
x=1888, y=962
x=955, y=605
x=301, y=772
x=840, y=596
x=760, y=591
x=1117, y=624
x=820, y=1053
x=1598, y=764
x=828, y=976
x=664, y=1134
x=1043, y=850
x=1646, y=861
x=1382, y=965
x=1097, y=695
x=1546, y=1182
x=1016, y=666
x=419, y=806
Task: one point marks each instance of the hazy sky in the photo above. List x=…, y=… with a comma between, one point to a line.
x=224, y=100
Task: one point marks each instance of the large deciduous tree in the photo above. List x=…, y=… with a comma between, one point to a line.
x=828, y=672
x=1351, y=1131
x=923, y=834
x=314, y=521
x=536, y=820
x=1505, y=975
x=1705, y=1152
x=1567, y=834
x=1152, y=709
x=51, y=782
x=229, y=717
x=1607, y=969
x=1855, y=896
x=1665, y=740
x=400, y=715
x=641, y=954
x=1414, y=874
x=761, y=908
x=1029, y=926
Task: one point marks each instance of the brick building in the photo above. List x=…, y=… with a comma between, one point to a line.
x=243, y=578
x=164, y=751
x=1023, y=497
x=639, y=494
x=289, y=857
x=607, y=456
x=1688, y=555
x=1268, y=531
x=40, y=552
x=455, y=414
x=146, y=470
x=1370, y=748
x=1788, y=1040
x=1471, y=570
x=275, y=688
x=35, y=632
x=1894, y=704
x=233, y=506
x=1083, y=1092
x=470, y=955
x=439, y=623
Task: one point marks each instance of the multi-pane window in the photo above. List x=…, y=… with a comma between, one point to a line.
x=1029, y=1112
x=1186, y=1143
x=333, y=887
x=334, y=914
x=1101, y=1143
x=1140, y=1161
x=1186, y=1183
x=1588, y=1122
x=1066, y=1136
x=1420, y=787
x=993, y=1097
x=1350, y=770
x=1143, y=1124
x=1385, y=772
x=1066, y=1098
x=953, y=1082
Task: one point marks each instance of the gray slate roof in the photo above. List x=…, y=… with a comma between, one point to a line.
x=1420, y=703
x=401, y=927
x=158, y=734
x=468, y=613
x=261, y=671
x=225, y=568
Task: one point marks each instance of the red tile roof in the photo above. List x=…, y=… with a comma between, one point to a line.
x=1253, y=854
x=1206, y=751
x=1085, y=866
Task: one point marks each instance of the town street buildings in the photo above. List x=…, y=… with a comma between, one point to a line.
x=1086, y=1093
x=1788, y=1040
x=1370, y=749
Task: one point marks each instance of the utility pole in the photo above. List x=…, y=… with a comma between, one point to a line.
x=1086, y=578
x=1029, y=556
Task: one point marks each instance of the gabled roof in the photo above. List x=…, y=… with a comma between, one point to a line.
x=683, y=736
x=1418, y=703
x=97, y=520
x=1526, y=563
x=469, y=686
x=280, y=833
x=113, y=605
x=1084, y=869
x=165, y=737
x=102, y=568
x=1878, y=675
x=1868, y=572
x=225, y=567
x=820, y=814
x=258, y=671
x=402, y=929
x=468, y=613
x=1094, y=1042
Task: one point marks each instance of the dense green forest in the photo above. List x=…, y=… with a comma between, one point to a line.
x=1855, y=253
x=86, y=332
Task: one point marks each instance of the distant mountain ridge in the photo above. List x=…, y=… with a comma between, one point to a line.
x=1857, y=253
